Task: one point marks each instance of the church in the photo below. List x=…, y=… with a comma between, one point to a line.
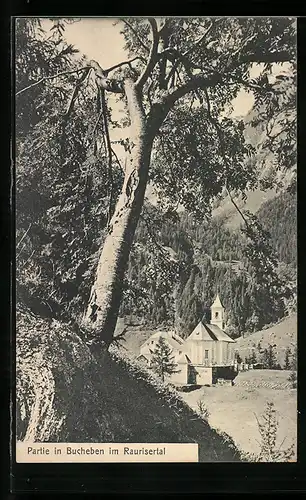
x=207, y=354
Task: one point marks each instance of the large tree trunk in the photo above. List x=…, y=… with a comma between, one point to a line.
x=106, y=292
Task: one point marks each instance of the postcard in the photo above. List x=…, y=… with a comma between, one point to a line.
x=156, y=241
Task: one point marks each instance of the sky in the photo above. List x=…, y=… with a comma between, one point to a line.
x=101, y=40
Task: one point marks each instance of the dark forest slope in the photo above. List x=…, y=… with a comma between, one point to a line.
x=205, y=257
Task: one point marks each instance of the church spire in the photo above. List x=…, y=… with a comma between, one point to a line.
x=217, y=302
x=217, y=313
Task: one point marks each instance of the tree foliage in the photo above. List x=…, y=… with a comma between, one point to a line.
x=68, y=180
x=162, y=360
x=287, y=364
x=61, y=178
x=269, y=358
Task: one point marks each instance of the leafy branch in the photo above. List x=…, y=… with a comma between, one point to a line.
x=152, y=55
x=134, y=31
x=45, y=78
x=219, y=131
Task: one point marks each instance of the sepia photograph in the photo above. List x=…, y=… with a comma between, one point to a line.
x=155, y=173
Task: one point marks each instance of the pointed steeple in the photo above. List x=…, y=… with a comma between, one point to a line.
x=217, y=313
x=217, y=302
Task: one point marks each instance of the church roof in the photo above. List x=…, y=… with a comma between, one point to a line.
x=203, y=331
x=200, y=333
x=220, y=334
x=217, y=302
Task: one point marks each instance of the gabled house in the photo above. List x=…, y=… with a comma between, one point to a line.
x=206, y=355
x=173, y=340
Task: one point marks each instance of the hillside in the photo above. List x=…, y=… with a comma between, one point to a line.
x=254, y=201
x=279, y=217
x=278, y=174
x=174, y=274
x=66, y=393
x=282, y=334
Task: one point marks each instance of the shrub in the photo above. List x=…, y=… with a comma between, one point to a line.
x=293, y=379
x=203, y=411
x=268, y=428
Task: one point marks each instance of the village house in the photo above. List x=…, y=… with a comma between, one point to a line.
x=208, y=354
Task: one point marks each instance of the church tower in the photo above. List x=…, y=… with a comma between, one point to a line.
x=217, y=313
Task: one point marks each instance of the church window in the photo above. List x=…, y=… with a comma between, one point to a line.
x=206, y=354
x=216, y=315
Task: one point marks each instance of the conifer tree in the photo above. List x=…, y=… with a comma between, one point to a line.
x=162, y=359
x=269, y=358
x=253, y=358
x=294, y=360
x=287, y=358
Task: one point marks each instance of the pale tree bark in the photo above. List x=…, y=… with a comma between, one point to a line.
x=106, y=292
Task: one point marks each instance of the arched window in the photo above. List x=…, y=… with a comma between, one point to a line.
x=216, y=315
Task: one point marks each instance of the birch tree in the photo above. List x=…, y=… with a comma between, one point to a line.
x=179, y=79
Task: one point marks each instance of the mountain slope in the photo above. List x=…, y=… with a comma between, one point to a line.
x=278, y=176
x=174, y=276
x=282, y=334
x=279, y=217
x=254, y=201
x=65, y=393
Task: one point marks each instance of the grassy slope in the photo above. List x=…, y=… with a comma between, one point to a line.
x=67, y=394
x=283, y=334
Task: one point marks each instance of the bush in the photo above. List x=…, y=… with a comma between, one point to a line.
x=268, y=429
x=203, y=411
x=293, y=379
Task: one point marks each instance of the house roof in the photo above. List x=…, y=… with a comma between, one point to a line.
x=174, y=340
x=183, y=359
x=146, y=349
x=140, y=356
x=203, y=331
x=217, y=302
